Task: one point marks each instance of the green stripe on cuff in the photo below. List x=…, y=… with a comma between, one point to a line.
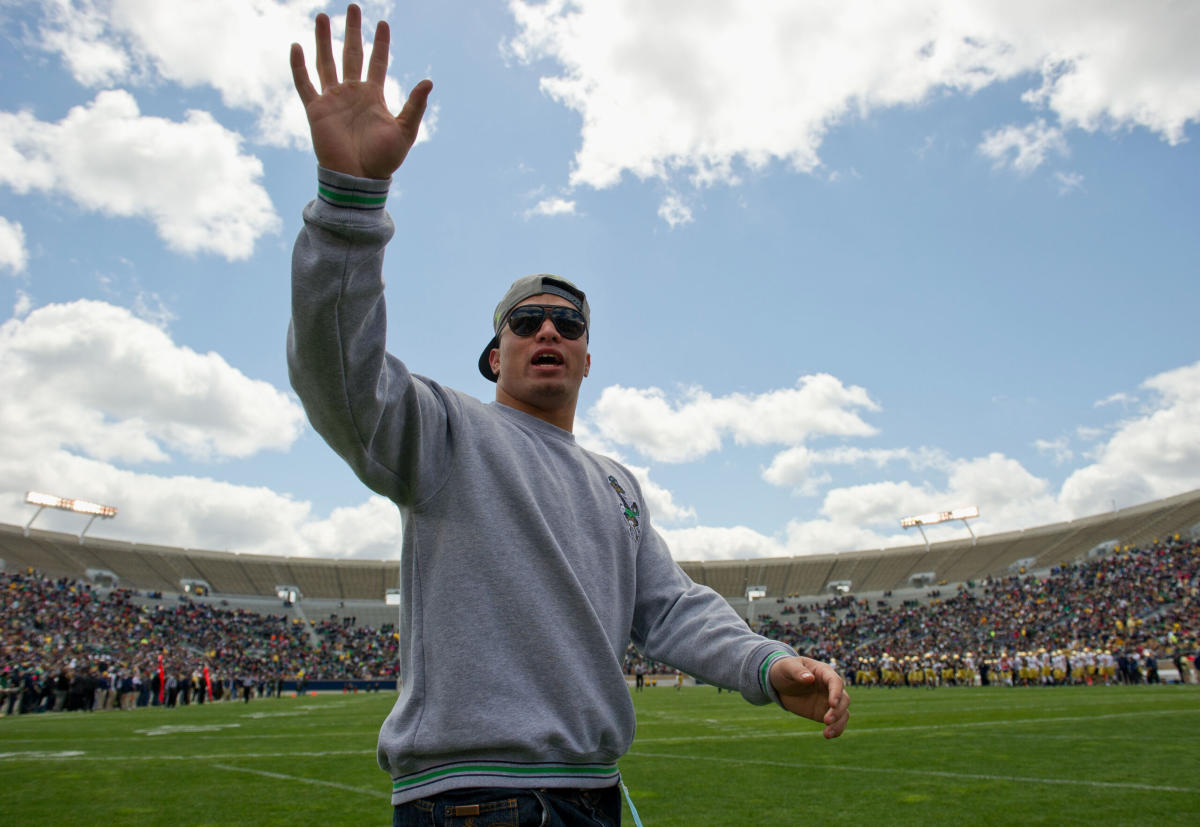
x=765, y=668
x=352, y=199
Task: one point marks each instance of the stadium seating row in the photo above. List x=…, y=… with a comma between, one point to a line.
x=162, y=568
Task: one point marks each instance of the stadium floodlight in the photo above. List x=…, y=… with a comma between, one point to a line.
x=964, y=514
x=44, y=501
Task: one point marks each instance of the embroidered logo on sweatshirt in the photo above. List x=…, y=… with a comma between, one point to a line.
x=630, y=511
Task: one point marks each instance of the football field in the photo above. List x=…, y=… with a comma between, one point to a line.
x=1055, y=755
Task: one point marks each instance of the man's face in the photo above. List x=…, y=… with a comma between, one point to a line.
x=542, y=371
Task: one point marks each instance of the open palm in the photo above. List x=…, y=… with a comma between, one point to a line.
x=352, y=129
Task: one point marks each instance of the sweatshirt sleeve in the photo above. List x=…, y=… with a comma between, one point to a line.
x=388, y=425
x=692, y=628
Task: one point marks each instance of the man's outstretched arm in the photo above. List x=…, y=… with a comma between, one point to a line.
x=352, y=129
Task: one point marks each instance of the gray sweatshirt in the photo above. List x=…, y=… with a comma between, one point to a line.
x=528, y=562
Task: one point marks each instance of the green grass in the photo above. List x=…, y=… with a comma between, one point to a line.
x=1120, y=755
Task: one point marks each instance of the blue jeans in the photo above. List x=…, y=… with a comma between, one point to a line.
x=506, y=807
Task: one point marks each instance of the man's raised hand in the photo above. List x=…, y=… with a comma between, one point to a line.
x=352, y=129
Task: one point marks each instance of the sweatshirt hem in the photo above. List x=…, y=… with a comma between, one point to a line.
x=518, y=775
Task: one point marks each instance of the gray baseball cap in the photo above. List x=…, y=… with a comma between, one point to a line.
x=522, y=289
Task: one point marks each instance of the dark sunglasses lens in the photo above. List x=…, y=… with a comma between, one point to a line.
x=569, y=322
x=525, y=321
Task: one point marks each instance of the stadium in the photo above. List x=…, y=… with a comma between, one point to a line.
x=106, y=626
x=847, y=261
x=333, y=620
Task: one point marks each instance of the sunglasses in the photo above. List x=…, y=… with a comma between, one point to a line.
x=527, y=320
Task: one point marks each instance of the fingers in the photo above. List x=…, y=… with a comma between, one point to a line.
x=326, y=68
x=377, y=68
x=414, y=107
x=838, y=715
x=352, y=51
x=300, y=76
x=838, y=699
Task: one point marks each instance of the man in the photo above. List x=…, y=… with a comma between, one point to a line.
x=527, y=562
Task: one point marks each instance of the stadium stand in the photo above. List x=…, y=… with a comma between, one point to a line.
x=1112, y=597
x=161, y=568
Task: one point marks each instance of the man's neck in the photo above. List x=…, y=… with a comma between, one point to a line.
x=560, y=416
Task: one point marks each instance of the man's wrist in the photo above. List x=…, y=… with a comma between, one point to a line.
x=765, y=674
x=351, y=192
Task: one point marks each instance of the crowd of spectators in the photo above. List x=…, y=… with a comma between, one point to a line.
x=1139, y=605
x=67, y=646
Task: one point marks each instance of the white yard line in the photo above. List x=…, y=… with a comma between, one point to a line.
x=313, y=781
x=232, y=756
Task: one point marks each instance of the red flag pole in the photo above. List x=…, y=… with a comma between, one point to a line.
x=162, y=681
x=207, y=682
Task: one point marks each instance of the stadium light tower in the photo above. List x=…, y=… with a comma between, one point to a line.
x=920, y=520
x=44, y=501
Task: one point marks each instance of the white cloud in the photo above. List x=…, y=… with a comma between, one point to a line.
x=13, y=254
x=674, y=211
x=868, y=515
x=1153, y=454
x=169, y=399
x=23, y=305
x=150, y=307
x=1119, y=398
x=1117, y=66
x=72, y=428
x=196, y=512
x=699, y=89
x=552, y=206
x=109, y=158
x=372, y=530
x=1023, y=148
x=796, y=467
x=827, y=536
x=645, y=419
x=878, y=503
x=1058, y=449
x=715, y=543
x=1068, y=182
x=79, y=33
x=237, y=47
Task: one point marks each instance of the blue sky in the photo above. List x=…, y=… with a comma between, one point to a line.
x=847, y=262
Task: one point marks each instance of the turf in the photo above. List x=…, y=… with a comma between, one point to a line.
x=1066, y=755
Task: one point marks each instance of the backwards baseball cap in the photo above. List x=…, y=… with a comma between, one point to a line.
x=522, y=289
